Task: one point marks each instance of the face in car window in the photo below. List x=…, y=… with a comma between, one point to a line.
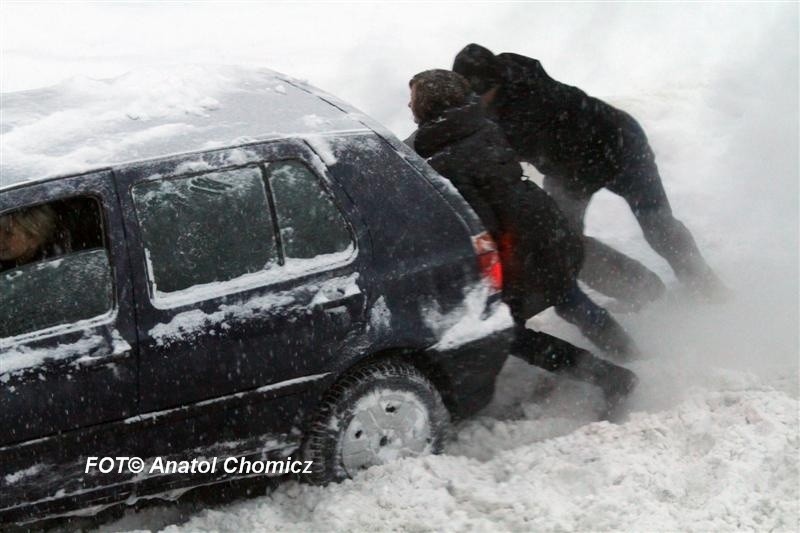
x=54, y=266
x=25, y=234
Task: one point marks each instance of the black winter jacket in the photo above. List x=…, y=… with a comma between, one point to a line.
x=541, y=256
x=562, y=131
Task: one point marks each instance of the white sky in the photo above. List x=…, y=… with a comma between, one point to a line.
x=366, y=52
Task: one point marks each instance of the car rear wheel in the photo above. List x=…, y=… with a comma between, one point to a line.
x=375, y=414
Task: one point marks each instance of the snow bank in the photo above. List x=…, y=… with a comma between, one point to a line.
x=718, y=461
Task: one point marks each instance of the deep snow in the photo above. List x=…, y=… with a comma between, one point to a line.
x=711, y=442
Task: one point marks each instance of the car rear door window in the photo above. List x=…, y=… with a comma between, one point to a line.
x=54, y=266
x=309, y=221
x=205, y=228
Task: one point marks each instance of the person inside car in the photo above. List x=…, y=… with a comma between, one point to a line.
x=26, y=236
x=582, y=144
x=540, y=254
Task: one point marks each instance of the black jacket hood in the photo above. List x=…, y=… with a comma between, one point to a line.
x=454, y=124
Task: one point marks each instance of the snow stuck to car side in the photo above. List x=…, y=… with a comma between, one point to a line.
x=18, y=357
x=291, y=269
x=472, y=320
x=186, y=324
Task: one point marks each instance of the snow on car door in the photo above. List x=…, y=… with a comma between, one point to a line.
x=67, y=357
x=246, y=278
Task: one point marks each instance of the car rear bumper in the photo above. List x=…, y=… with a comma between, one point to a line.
x=467, y=372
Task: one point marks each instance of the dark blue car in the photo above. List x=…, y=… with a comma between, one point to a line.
x=253, y=270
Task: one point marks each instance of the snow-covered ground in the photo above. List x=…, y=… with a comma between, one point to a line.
x=711, y=440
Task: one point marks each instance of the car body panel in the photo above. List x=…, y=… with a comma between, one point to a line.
x=185, y=348
x=74, y=375
x=238, y=368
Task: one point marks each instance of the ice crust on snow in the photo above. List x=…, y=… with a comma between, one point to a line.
x=83, y=124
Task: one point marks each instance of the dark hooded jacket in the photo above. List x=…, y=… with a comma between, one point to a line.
x=541, y=256
x=561, y=130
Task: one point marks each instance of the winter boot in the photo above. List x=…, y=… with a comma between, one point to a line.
x=543, y=350
x=556, y=355
x=615, y=381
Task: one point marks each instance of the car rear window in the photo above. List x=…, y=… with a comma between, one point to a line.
x=206, y=228
x=310, y=223
x=218, y=232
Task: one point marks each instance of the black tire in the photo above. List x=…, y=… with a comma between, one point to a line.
x=378, y=385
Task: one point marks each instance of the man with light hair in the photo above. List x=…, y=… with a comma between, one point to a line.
x=541, y=256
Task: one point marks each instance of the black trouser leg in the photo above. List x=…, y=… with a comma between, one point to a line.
x=604, y=269
x=572, y=204
x=672, y=241
x=613, y=273
x=644, y=192
x=595, y=323
x=544, y=350
x=559, y=356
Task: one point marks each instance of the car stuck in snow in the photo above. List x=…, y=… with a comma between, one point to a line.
x=231, y=264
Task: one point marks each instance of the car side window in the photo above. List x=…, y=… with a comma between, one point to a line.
x=309, y=221
x=206, y=228
x=54, y=266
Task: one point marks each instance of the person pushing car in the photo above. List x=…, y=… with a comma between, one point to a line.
x=582, y=144
x=540, y=254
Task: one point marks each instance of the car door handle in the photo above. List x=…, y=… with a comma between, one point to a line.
x=331, y=298
x=102, y=360
x=338, y=315
x=332, y=304
x=333, y=294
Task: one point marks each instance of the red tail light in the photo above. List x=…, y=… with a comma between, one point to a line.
x=489, y=260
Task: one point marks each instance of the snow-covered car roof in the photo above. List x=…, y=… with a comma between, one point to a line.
x=83, y=124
